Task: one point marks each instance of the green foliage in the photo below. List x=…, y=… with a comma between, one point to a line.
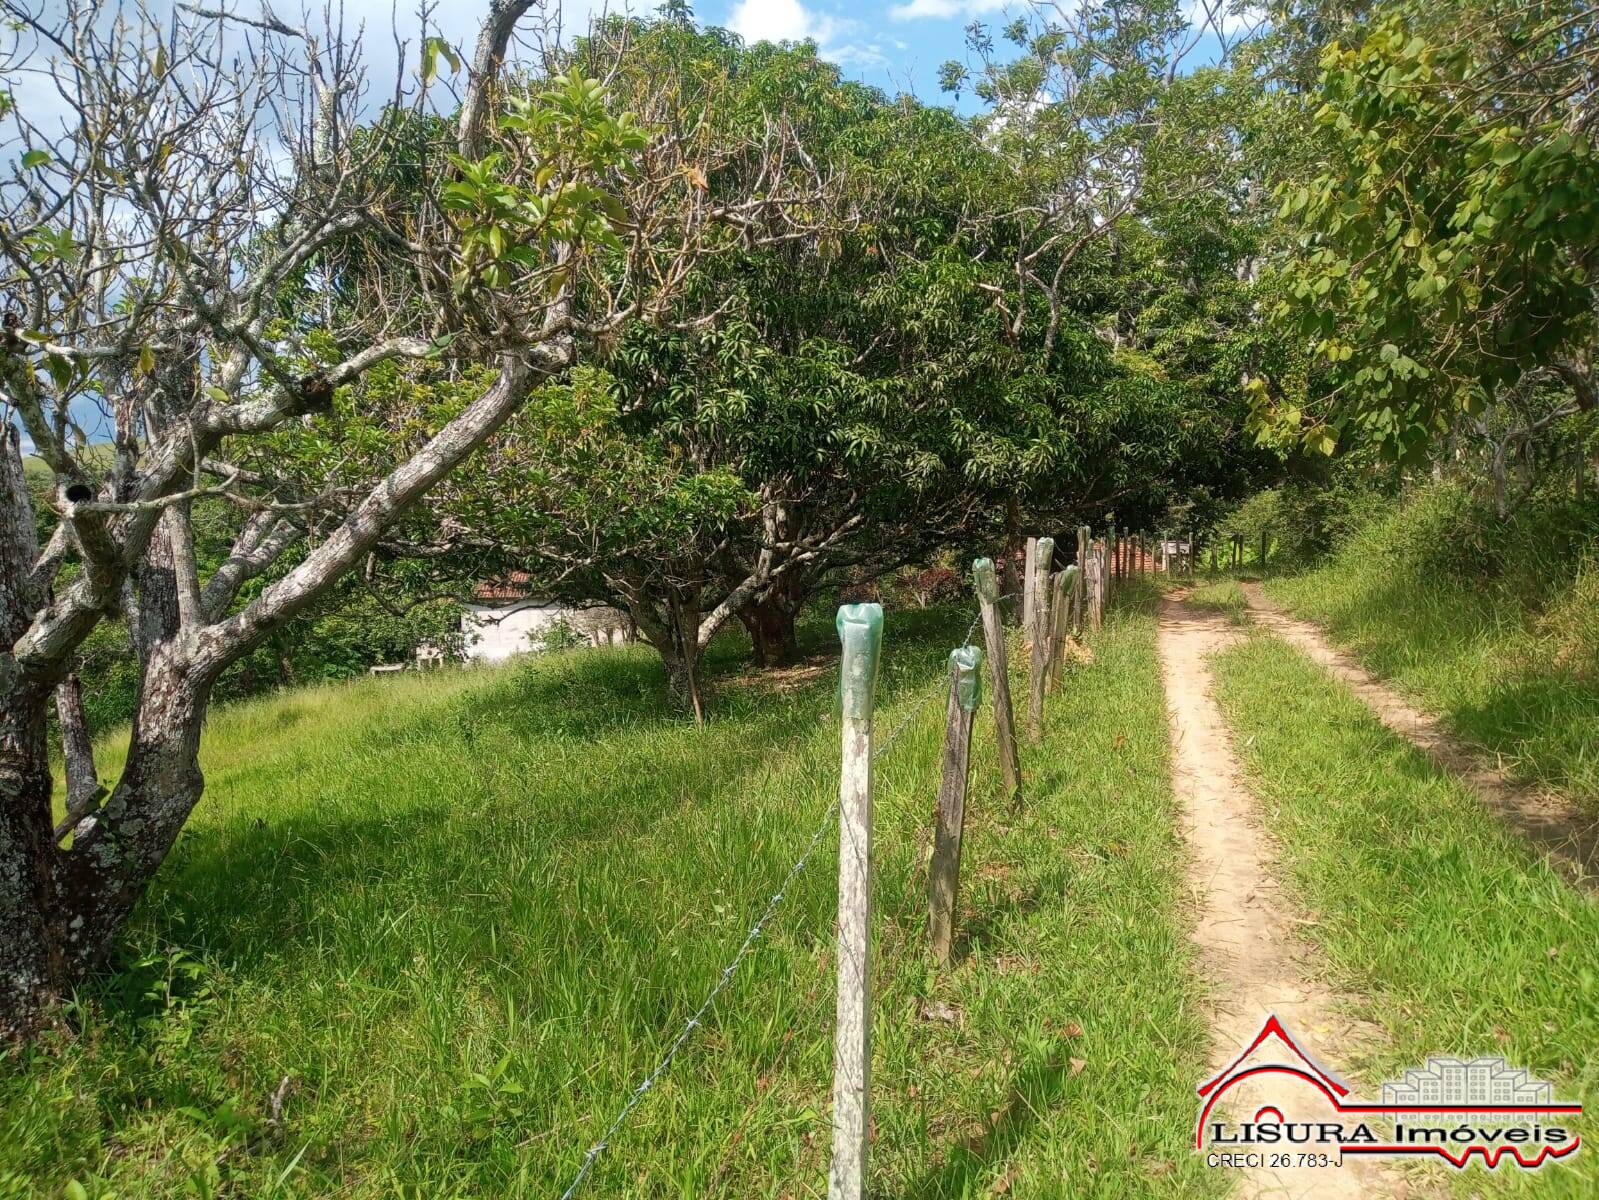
x=1443, y=242
x=572, y=139
x=1319, y=505
x=348, y=632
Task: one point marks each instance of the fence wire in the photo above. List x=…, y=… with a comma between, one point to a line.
x=636, y=1097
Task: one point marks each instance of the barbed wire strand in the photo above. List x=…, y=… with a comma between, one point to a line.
x=636, y=1097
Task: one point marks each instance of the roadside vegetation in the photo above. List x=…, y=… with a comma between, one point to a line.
x=1494, y=624
x=463, y=914
x=1451, y=935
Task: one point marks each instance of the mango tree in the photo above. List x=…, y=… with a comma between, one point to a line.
x=211, y=165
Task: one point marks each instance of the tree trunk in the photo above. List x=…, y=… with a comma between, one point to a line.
x=77, y=748
x=682, y=660
x=118, y=849
x=32, y=970
x=770, y=621
x=771, y=630
x=60, y=910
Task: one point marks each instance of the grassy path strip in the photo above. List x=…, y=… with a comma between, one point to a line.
x=1489, y=628
x=1453, y=936
x=1245, y=927
x=1556, y=826
x=463, y=914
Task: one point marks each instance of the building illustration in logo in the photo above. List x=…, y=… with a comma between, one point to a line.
x=1468, y=1081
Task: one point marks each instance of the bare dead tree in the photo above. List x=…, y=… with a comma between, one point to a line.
x=179, y=259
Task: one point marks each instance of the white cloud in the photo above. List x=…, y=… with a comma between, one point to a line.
x=942, y=10
x=780, y=21
x=838, y=39
x=1223, y=16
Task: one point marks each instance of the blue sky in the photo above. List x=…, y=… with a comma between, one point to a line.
x=895, y=44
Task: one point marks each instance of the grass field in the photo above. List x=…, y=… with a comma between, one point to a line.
x=463, y=915
x=1454, y=938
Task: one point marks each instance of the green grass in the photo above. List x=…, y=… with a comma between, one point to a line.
x=465, y=913
x=1453, y=936
x=1495, y=629
x=1225, y=596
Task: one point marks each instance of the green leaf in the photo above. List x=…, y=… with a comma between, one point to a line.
x=433, y=49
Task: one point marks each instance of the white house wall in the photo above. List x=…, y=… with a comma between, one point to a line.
x=494, y=632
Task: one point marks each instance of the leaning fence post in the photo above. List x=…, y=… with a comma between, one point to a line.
x=1010, y=763
x=860, y=629
x=1038, y=634
x=943, y=880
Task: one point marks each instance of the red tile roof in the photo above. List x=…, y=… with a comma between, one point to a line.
x=514, y=585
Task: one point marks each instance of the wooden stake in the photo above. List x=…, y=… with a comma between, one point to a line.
x=1059, y=606
x=860, y=629
x=1039, y=636
x=943, y=879
x=1028, y=579
x=1080, y=583
x=1264, y=546
x=1010, y=764
x=1096, y=586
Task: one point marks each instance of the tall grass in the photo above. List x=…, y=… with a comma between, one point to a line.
x=1495, y=625
x=463, y=915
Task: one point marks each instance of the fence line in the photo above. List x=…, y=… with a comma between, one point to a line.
x=636, y=1097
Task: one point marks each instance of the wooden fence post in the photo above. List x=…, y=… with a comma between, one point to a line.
x=1010, y=763
x=1039, y=636
x=1028, y=579
x=860, y=629
x=1079, y=584
x=1065, y=581
x=944, y=875
x=1096, y=586
x=1265, y=545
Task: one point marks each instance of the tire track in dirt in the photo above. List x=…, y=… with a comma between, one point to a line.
x=1568, y=839
x=1244, y=924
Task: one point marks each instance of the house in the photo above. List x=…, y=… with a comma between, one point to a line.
x=504, y=617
